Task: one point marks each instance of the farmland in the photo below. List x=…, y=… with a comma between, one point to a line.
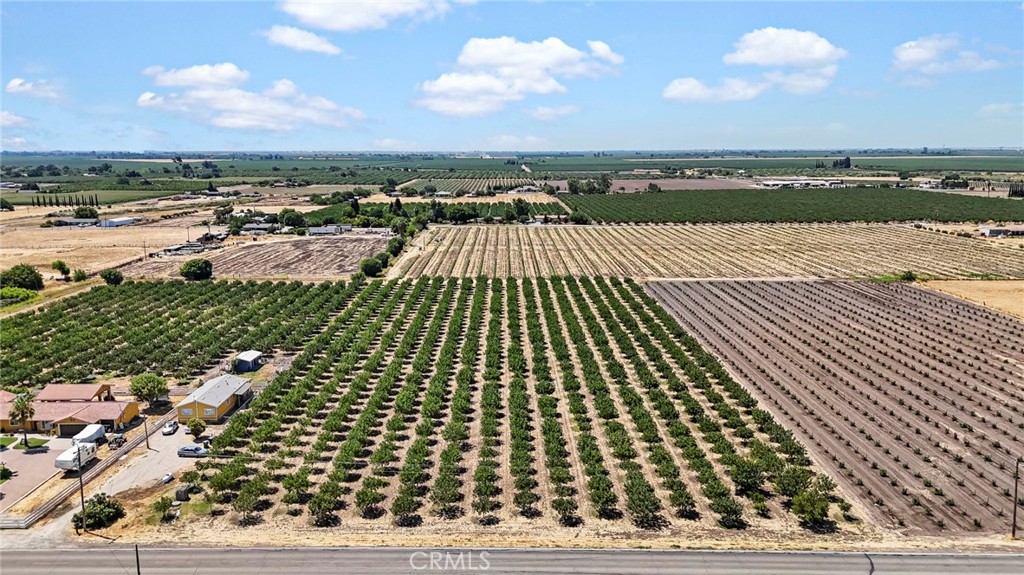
x=737, y=251
x=836, y=205
x=105, y=197
x=901, y=393
x=91, y=249
x=476, y=185
x=172, y=327
x=303, y=259
x=473, y=401
x=444, y=209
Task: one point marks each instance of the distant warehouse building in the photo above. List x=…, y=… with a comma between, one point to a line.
x=80, y=222
x=329, y=230
x=991, y=232
x=118, y=222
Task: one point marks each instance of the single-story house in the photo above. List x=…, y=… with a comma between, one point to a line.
x=247, y=361
x=69, y=417
x=215, y=399
x=265, y=228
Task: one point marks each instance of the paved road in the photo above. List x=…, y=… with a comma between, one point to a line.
x=321, y=561
x=162, y=457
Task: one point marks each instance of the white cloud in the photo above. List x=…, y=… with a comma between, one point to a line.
x=9, y=120
x=37, y=89
x=281, y=107
x=730, y=90
x=202, y=76
x=281, y=88
x=395, y=145
x=301, y=40
x=491, y=72
x=804, y=62
x=935, y=55
x=15, y=143
x=351, y=16
x=1002, y=112
x=784, y=47
x=601, y=50
x=545, y=113
x=803, y=81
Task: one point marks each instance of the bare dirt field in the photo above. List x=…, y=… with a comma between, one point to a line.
x=704, y=251
x=639, y=185
x=300, y=259
x=1003, y=295
x=911, y=398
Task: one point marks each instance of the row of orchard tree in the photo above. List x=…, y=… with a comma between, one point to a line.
x=68, y=201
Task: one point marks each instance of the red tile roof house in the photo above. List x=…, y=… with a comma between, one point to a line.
x=67, y=408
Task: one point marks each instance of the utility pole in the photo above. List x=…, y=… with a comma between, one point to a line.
x=138, y=566
x=1016, y=475
x=81, y=485
x=145, y=428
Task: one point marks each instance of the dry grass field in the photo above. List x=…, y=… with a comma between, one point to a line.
x=705, y=251
x=1003, y=295
x=91, y=249
x=298, y=259
x=905, y=395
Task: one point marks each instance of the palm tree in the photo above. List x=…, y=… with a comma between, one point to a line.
x=22, y=410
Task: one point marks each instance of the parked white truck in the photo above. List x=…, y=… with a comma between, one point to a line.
x=91, y=434
x=78, y=454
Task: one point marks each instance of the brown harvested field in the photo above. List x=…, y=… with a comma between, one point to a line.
x=298, y=259
x=91, y=249
x=704, y=251
x=912, y=399
x=638, y=185
x=1003, y=295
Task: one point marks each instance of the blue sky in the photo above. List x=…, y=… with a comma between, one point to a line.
x=428, y=75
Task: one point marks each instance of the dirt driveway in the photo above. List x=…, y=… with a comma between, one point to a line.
x=32, y=469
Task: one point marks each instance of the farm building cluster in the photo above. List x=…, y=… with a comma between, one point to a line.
x=66, y=409
x=97, y=222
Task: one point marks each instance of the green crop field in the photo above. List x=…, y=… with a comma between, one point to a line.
x=105, y=196
x=169, y=327
x=839, y=205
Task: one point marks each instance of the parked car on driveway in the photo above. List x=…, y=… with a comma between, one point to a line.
x=193, y=451
x=170, y=428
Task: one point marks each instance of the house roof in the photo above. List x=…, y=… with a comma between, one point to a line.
x=88, y=412
x=251, y=355
x=96, y=411
x=217, y=390
x=71, y=391
x=6, y=396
